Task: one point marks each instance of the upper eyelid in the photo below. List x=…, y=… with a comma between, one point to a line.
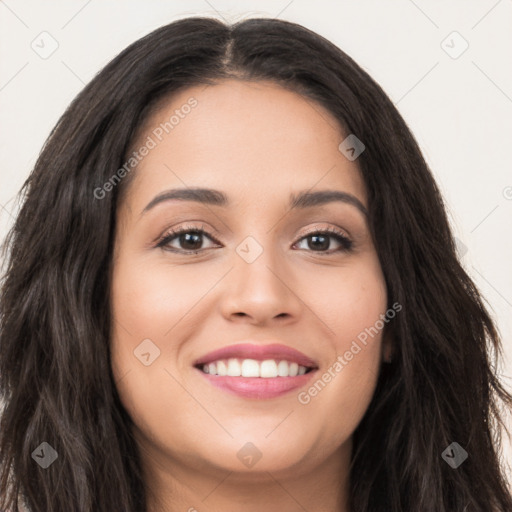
x=212, y=232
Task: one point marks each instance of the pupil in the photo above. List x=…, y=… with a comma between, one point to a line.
x=185, y=238
x=324, y=245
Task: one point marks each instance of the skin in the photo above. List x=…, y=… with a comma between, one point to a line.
x=256, y=142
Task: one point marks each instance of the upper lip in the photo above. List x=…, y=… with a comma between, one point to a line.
x=259, y=352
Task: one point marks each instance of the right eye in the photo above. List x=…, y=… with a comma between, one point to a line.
x=190, y=237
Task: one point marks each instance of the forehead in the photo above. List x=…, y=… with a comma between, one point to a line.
x=254, y=140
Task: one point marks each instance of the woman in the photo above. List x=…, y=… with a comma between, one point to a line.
x=317, y=347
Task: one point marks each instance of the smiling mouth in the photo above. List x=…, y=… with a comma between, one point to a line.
x=257, y=371
x=252, y=368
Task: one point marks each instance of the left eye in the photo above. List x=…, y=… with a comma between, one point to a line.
x=190, y=240
x=321, y=240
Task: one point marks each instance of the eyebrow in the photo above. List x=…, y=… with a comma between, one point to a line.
x=302, y=200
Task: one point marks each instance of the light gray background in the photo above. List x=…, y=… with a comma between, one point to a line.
x=459, y=107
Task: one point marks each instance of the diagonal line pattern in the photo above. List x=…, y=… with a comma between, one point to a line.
x=14, y=76
x=121, y=378
x=492, y=81
x=76, y=14
x=424, y=14
x=73, y=72
x=286, y=491
x=217, y=11
x=311, y=188
x=6, y=6
x=199, y=403
x=300, y=299
x=118, y=322
x=217, y=486
x=283, y=9
x=314, y=106
x=209, y=209
x=417, y=83
x=7, y=211
x=280, y=423
x=485, y=15
x=198, y=301
x=492, y=211
x=493, y=287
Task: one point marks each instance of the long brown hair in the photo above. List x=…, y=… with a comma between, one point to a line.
x=55, y=375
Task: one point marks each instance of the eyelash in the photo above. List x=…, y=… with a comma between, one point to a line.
x=346, y=243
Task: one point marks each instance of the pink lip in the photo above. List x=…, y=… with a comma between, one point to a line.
x=259, y=353
x=257, y=387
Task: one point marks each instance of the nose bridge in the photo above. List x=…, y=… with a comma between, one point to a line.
x=257, y=260
x=258, y=283
x=259, y=246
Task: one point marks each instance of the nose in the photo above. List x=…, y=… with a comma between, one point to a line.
x=262, y=291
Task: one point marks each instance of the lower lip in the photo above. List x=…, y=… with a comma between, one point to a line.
x=257, y=387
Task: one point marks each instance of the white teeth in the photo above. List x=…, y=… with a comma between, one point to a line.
x=268, y=369
x=250, y=368
x=282, y=369
x=222, y=369
x=234, y=369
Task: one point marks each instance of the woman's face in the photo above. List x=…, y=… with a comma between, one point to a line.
x=258, y=277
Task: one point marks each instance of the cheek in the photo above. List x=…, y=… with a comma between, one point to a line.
x=155, y=307
x=352, y=306
x=149, y=299
x=140, y=312
x=347, y=299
